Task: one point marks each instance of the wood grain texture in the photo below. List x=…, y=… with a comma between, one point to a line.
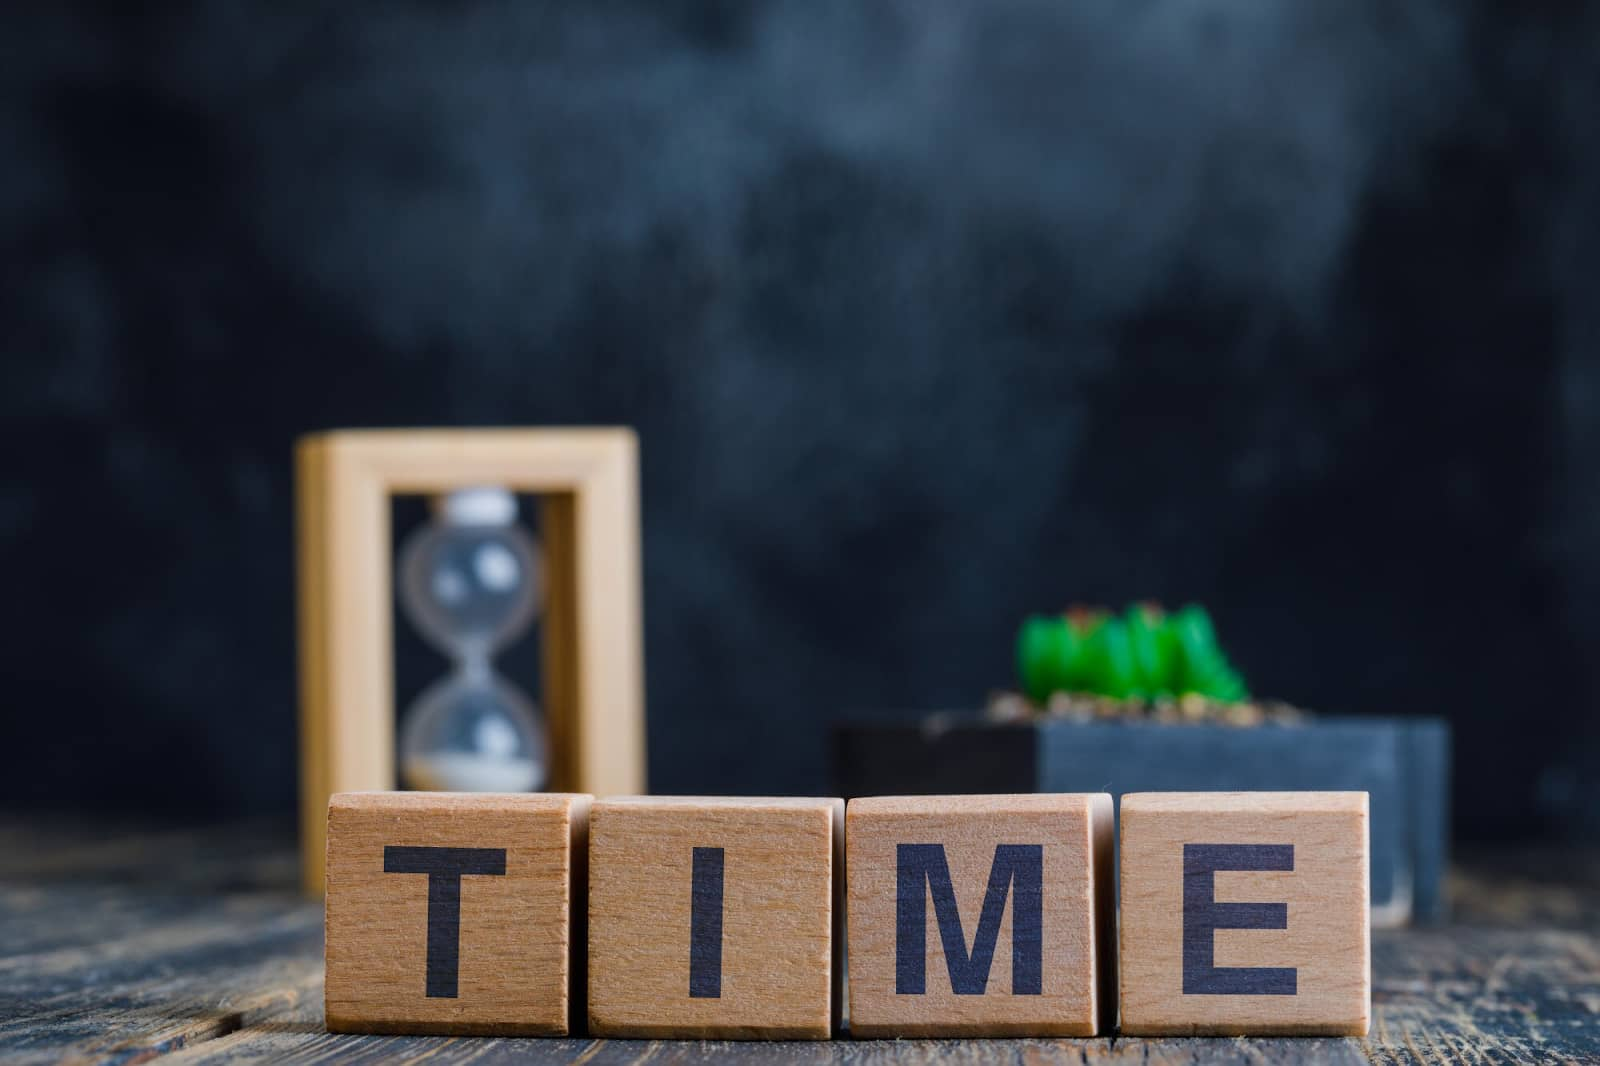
x=775, y=964
x=124, y=944
x=1067, y=962
x=1283, y=878
x=121, y=944
x=593, y=659
x=505, y=960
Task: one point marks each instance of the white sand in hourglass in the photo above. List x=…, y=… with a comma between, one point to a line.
x=470, y=773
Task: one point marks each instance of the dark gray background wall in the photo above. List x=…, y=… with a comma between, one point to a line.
x=929, y=315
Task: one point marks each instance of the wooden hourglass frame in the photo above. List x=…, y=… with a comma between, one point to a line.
x=590, y=631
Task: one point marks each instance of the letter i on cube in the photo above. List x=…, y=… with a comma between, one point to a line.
x=714, y=917
x=980, y=915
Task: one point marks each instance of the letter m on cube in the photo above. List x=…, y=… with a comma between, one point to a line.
x=921, y=870
x=971, y=887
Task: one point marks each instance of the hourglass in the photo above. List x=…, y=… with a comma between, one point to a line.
x=471, y=729
x=469, y=582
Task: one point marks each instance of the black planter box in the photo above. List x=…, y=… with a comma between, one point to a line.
x=1404, y=763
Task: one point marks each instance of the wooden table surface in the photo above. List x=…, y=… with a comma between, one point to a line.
x=192, y=946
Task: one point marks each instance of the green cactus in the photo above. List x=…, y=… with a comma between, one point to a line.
x=1142, y=654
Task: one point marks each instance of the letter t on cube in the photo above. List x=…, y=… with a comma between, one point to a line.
x=455, y=913
x=980, y=915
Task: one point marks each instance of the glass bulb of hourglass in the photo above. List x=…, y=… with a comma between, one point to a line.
x=469, y=580
x=469, y=583
x=473, y=734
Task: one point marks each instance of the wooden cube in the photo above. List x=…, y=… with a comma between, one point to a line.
x=714, y=918
x=1245, y=914
x=931, y=881
x=455, y=913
